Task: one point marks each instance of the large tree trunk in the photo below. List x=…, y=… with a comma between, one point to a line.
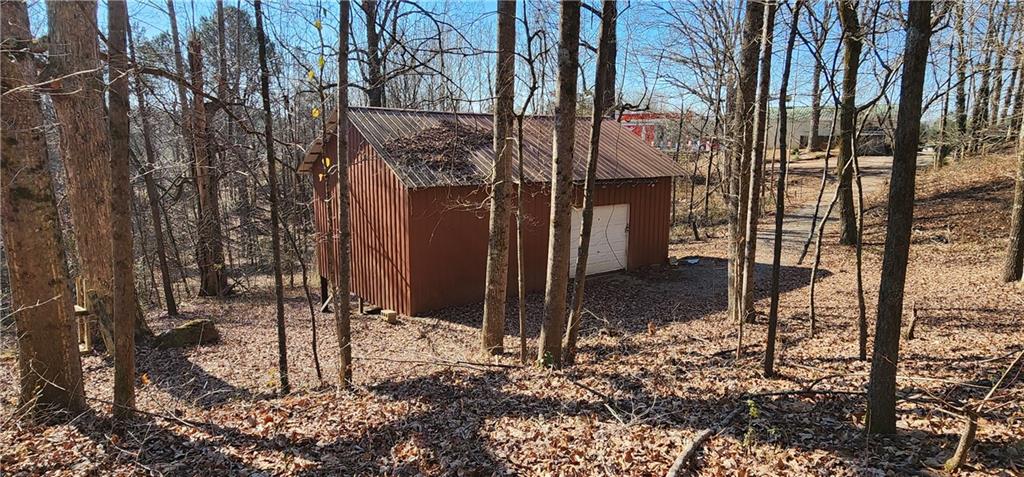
x=85, y=145
x=882, y=386
x=559, y=241
x=603, y=83
x=213, y=279
x=780, y=196
x=275, y=220
x=342, y=318
x=753, y=204
x=121, y=212
x=49, y=367
x=152, y=192
x=374, y=66
x=739, y=165
x=848, y=120
x=504, y=149
x=1014, y=267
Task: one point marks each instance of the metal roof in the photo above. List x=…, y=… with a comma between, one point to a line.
x=622, y=155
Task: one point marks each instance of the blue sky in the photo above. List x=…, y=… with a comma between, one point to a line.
x=292, y=22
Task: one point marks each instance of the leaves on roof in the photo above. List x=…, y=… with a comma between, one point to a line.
x=444, y=148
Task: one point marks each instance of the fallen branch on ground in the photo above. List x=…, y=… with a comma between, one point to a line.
x=608, y=402
x=971, y=425
x=688, y=453
x=698, y=441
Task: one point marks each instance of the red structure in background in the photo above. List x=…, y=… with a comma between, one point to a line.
x=655, y=129
x=644, y=125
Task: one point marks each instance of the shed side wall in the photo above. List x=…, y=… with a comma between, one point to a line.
x=379, y=222
x=448, y=237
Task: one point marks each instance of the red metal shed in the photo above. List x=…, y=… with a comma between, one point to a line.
x=419, y=231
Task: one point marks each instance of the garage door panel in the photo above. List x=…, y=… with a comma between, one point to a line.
x=609, y=239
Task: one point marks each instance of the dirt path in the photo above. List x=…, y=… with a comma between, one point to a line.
x=798, y=222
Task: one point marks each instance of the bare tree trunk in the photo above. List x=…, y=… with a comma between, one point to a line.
x=882, y=385
x=602, y=102
x=1011, y=87
x=997, y=70
x=152, y=192
x=862, y=319
x=74, y=49
x=743, y=125
x=753, y=204
x=1018, y=98
x=980, y=115
x=210, y=248
x=520, y=263
x=49, y=367
x=559, y=241
x=121, y=212
x=342, y=318
x=374, y=67
x=780, y=195
x=848, y=119
x=961, y=77
x=314, y=341
x=275, y=220
x=184, y=114
x=943, y=150
x=493, y=331
x=1012, y=270
x=712, y=149
x=814, y=141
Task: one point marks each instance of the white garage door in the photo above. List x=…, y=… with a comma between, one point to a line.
x=608, y=239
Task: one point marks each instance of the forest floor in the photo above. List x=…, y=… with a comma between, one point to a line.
x=657, y=365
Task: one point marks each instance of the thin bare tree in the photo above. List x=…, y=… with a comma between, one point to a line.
x=275, y=220
x=152, y=191
x=780, y=195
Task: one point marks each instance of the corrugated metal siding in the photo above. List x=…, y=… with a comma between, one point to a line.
x=623, y=155
x=379, y=221
x=448, y=240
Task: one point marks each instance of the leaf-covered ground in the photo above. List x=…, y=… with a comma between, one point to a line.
x=656, y=366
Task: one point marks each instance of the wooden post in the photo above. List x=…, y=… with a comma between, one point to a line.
x=83, y=316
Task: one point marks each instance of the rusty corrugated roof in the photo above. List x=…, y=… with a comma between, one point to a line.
x=623, y=155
